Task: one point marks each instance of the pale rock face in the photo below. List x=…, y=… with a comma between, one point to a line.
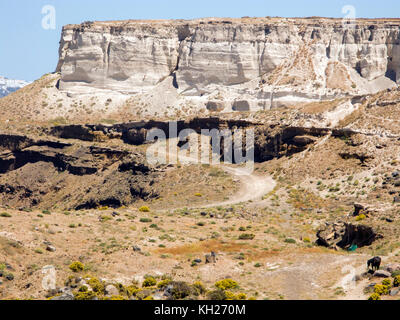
x=290, y=59
x=126, y=61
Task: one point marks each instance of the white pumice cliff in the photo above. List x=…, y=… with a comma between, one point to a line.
x=239, y=64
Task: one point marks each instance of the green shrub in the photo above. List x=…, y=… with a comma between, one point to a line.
x=230, y=295
x=246, y=236
x=289, y=240
x=149, y=282
x=199, y=287
x=5, y=215
x=387, y=282
x=145, y=220
x=241, y=296
x=83, y=289
x=226, y=284
x=181, y=290
x=217, y=295
x=395, y=273
x=133, y=290
x=96, y=285
x=374, y=296
x=381, y=289
x=105, y=218
x=116, y=298
x=9, y=276
x=396, y=281
x=76, y=266
x=361, y=217
x=88, y=295
x=163, y=283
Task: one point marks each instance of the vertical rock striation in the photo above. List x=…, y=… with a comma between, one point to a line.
x=305, y=58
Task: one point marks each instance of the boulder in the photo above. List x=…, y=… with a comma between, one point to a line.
x=64, y=296
x=215, y=106
x=364, y=208
x=369, y=288
x=394, y=292
x=111, y=290
x=51, y=248
x=382, y=274
x=241, y=105
x=304, y=140
x=392, y=267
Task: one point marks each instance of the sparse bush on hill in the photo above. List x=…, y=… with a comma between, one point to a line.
x=226, y=284
x=374, y=296
x=144, y=209
x=77, y=266
x=246, y=236
x=5, y=215
x=381, y=289
x=396, y=281
x=217, y=295
x=149, y=282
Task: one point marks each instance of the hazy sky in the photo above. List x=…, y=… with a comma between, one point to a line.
x=27, y=50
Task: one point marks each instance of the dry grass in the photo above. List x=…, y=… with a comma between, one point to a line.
x=320, y=106
x=206, y=247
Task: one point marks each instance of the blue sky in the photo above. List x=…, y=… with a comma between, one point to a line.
x=27, y=51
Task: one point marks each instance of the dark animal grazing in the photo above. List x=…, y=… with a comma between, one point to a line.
x=211, y=258
x=374, y=263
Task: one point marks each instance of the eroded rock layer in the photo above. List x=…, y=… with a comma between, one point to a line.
x=300, y=57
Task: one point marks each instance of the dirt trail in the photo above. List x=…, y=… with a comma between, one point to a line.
x=253, y=187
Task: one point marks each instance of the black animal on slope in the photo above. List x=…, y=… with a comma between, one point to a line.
x=374, y=263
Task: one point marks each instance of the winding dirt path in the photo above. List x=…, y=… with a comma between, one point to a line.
x=253, y=187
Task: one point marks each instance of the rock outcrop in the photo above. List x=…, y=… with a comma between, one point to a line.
x=263, y=61
x=39, y=173
x=343, y=235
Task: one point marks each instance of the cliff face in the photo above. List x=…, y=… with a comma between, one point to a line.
x=295, y=58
